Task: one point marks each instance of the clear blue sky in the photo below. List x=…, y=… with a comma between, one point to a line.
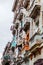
x=6, y=19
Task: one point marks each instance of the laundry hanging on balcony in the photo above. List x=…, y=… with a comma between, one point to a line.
x=14, y=42
x=6, y=57
x=26, y=47
x=14, y=37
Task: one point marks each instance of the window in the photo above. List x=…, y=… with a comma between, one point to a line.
x=20, y=16
x=17, y=25
x=14, y=32
x=26, y=3
x=26, y=26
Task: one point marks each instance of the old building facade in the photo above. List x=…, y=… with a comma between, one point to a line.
x=28, y=28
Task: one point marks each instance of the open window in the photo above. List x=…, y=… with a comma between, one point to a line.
x=14, y=32
x=26, y=26
x=20, y=16
x=17, y=25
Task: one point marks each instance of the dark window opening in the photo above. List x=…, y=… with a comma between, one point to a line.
x=14, y=32
x=20, y=16
x=13, y=49
x=27, y=26
x=7, y=63
x=17, y=25
x=19, y=47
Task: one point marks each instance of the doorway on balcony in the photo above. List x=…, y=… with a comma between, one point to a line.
x=27, y=26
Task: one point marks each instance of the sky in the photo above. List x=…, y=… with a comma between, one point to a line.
x=6, y=19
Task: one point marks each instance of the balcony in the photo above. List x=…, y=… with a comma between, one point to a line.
x=34, y=9
x=36, y=39
x=35, y=49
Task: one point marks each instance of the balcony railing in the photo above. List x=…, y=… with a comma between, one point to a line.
x=36, y=40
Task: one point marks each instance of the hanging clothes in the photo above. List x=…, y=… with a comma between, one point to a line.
x=14, y=42
x=26, y=47
x=14, y=37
